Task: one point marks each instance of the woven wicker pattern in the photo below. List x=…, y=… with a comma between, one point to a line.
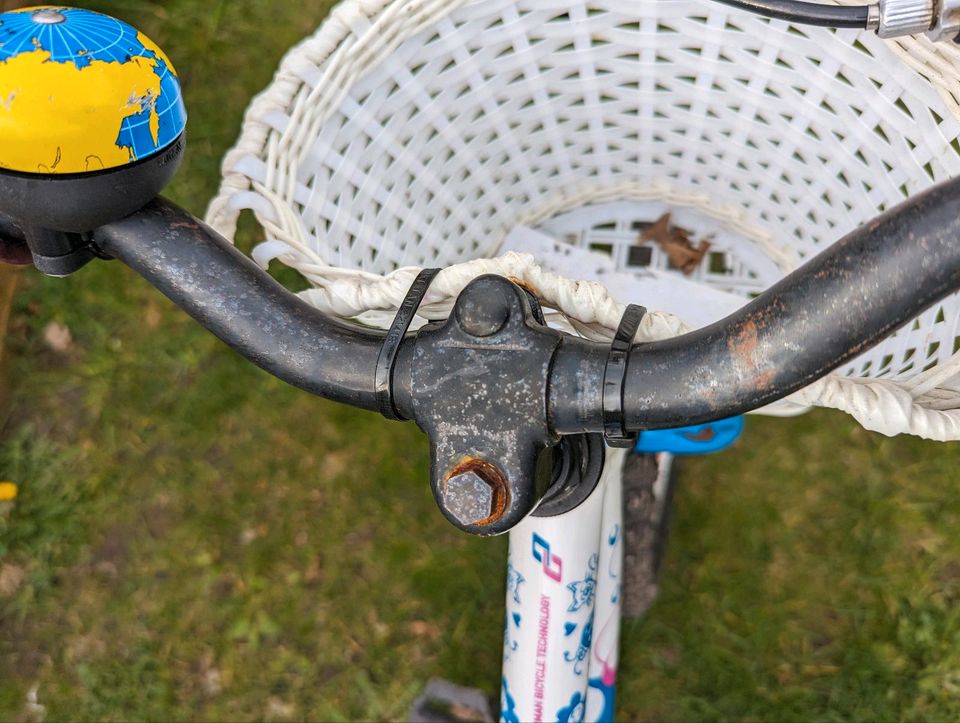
x=420, y=133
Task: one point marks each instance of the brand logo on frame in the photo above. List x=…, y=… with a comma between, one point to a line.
x=552, y=564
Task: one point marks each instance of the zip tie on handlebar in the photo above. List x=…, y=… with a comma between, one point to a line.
x=387, y=358
x=614, y=431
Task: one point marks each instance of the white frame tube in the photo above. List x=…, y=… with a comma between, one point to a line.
x=555, y=571
x=604, y=656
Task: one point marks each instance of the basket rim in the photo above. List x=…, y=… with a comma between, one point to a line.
x=363, y=32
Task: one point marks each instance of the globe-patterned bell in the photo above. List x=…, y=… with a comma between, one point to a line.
x=82, y=92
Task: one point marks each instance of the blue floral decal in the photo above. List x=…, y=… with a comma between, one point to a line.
x=509, y=643
x=583, y=649
x=612, y=541
x=574, y=712
x=583, y=590
x=514, y=580
x=508, y=707
x=606, y=690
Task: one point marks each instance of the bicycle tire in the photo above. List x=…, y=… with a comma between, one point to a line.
x=646, y=525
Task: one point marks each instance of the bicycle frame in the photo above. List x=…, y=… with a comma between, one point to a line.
x=563, y=609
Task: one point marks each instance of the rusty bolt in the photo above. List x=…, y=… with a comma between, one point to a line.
x=475, y=492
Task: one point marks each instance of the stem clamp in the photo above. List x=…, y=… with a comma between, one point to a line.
x=614, y=429
x=386, y=360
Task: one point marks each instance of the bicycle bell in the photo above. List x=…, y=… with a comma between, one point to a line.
x=92, y=125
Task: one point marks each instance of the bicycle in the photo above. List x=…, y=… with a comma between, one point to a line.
x=195, y=274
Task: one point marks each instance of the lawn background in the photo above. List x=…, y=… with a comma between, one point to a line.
x=195, y=540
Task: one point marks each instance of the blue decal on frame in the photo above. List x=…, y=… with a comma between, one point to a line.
x=508, y=707
x=608, y=694
x=583, y=649
x=575, y=711
x=584, y=589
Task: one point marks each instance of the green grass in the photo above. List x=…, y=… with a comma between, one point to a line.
x=198, y=541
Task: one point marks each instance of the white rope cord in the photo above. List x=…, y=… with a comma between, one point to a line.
x=407, y=133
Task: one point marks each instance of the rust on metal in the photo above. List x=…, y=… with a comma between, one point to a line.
x=492, y=476
x=526, y=286
x=743, y=345
x=743, y=348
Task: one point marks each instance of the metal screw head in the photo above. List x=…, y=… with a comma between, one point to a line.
x=48, y=16
x=482, y=311
x=475, y=492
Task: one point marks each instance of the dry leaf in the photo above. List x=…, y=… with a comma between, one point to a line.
x=11, y=577
x=279, y=710
x=151, y=317
x=57, y=337
x=424, y=629
x=32, y=710
x=676, y=244
x=211, y=681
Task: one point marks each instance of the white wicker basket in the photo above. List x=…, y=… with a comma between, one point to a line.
x=426, y=132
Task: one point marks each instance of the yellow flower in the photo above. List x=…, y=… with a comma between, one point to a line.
x=8, y=491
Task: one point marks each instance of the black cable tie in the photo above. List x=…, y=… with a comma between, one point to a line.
x=614, y=430
x=387, y=358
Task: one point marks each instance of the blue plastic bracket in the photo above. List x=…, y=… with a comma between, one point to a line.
x=695, y=439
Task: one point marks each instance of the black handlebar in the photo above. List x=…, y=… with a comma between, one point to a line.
x=232, y=297
x=494, y=388
x=836, y=306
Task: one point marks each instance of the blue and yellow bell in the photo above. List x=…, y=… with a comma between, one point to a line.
x=91, y=119
x=81, y=92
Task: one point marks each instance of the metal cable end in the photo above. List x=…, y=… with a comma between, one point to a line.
x=905, y=17
x=946, y=25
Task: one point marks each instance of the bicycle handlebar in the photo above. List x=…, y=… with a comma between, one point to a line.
x=492, y=386
x=231, y=296
x=503, y=397
x=834, y=307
